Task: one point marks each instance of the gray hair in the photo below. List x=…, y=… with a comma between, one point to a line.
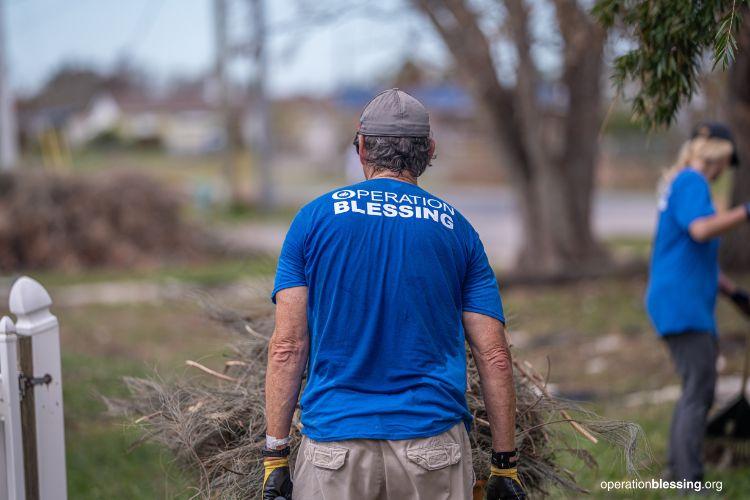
x=398, y=154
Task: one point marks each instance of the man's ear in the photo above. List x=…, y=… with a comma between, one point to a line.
x=432, y=148
x=363, y=158
x=361, y=149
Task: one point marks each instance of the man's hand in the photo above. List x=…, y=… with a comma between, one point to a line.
x=277, y=480
x=741, y=299
x=503, y=483
x=287, y=357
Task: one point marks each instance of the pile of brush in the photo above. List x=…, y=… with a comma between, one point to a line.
x=214, y=423
x=115, y=219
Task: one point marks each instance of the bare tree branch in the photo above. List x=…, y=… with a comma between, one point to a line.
x=550, y=146
x=459, y=29
x=527, y=79
x=582, y=54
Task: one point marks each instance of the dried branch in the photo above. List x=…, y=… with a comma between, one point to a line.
x=537, y=380
x=210, y=371
x=216, y=430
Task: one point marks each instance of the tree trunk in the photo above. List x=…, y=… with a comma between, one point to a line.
x=551, y=159
x=565, y=182
x=555, y=170
x=735, y=246
x=556, y=216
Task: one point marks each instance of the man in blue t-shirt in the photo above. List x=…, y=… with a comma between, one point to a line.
x=378, y=286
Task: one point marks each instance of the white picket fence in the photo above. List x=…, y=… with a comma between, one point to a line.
x=32, y=438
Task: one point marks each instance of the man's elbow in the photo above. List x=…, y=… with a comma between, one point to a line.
x=285, y=350
x=497, y=357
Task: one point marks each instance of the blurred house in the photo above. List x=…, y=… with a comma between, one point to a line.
x=47, y=119
x=311, y=133
x=81, y=108
x=183, y=121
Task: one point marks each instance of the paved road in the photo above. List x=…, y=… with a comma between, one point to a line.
x=494, y=213
x=492, y=210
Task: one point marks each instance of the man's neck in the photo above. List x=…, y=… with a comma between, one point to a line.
x=388, y=175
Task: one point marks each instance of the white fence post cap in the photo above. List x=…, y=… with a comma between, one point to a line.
x=28, y=296
x=7, y=326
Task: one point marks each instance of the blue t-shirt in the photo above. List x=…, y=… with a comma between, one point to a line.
x=389, y=270
x=684, y=276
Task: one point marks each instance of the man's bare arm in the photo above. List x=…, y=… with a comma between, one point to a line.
x=486, y=337
x=287, y=357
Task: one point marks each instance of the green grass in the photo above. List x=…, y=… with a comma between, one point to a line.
x=99, y=466
x=245, y=213
x=99, y=460
x=101, y=344
x=655, y=423
x=630, y=247
x=208, y=273
x=590, y=309
x=559, y=327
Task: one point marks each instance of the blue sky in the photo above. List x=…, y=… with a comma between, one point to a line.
x=175, y=37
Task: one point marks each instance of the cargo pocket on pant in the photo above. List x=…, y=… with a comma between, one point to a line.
x=328, y=466
x=326, y=457
x=434, y=470
x=437, y=456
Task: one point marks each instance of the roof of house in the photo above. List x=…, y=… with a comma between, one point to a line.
x=185, y=97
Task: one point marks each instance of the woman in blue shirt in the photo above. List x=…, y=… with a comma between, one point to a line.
x=684, y=281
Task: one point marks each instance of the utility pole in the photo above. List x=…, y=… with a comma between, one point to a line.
x=8, y=137
x=259, y=98
x=225, y=100
x=249, y=48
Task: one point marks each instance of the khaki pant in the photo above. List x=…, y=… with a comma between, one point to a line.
x=433, y=468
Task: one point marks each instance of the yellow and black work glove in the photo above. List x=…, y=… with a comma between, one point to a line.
x=503, y=483
x=277, y=480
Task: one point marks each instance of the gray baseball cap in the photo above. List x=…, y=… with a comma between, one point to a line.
x=394, y=113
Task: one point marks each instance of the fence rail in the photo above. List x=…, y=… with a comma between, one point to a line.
x=32, y=455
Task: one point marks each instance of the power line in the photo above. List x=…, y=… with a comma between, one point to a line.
x=249, y=47
x=145, y=22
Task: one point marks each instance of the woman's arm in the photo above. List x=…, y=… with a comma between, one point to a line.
x=705, y=228
x=726, y=285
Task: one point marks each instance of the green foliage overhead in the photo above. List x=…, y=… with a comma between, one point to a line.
x=671, y=38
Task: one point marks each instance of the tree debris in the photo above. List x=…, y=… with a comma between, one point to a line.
x=216, y=428
x=72, y=222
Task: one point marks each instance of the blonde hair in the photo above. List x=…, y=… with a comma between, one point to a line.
x=708, y=149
